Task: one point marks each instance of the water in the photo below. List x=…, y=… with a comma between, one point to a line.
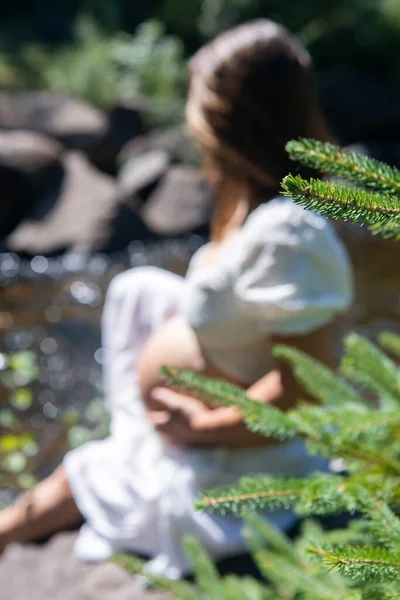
x=52, y=307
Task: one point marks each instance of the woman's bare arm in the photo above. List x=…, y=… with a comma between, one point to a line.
x=225, y=426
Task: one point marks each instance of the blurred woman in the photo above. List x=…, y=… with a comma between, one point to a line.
x=272, y=273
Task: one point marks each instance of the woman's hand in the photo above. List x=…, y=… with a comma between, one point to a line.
x=174, y=415
x=184, y=421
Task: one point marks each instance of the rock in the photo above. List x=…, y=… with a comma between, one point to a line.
x=52, y=571
x=181, y=203
x=125, y=122
x=19, y=198
x=30, y=165
x=141, y=172
x=30, y=152
x=359, y=107
x=71, y=121
x=78, y=218
x=172, y=140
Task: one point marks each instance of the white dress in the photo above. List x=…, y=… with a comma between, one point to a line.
x=285, y=272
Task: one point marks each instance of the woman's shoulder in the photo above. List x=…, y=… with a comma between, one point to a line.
x=281, y=219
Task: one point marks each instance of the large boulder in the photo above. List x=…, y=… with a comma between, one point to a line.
x=73, y=122
x=52, y=571
x=141, y=173
x=77, y=216
x=30, y=166
x=125, y=122
x=181, y=203
x=173, y=141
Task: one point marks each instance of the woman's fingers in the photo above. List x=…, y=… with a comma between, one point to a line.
x=159, y=417
x=168, y=399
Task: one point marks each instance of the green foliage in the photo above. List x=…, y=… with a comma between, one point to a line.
x=361, y=562
x=103, y=69
x=364, y=170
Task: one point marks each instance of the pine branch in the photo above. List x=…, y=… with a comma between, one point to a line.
x=260, y=532
x=383, y=522
x=177, y=588
x=391, y=342
x=346, y=424
x=260, y=418
x=364, y=363
x=341, y=202
x=362, y=564
x=295, y=578
x=321, y=494
x=318, y=380
x=207, y=577
x=207, y=389
x=363, y=170
x=245, y=588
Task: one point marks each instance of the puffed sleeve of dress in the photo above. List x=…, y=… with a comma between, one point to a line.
x=293, y=274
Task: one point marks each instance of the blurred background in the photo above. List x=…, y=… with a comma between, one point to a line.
x=96, y=175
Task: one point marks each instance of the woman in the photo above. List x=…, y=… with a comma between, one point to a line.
x=271, y=273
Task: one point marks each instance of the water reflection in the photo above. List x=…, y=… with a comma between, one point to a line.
x=52, y=307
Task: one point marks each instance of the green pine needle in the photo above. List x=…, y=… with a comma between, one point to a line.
x=364, y=363
x=318, y=380
x=264, y=419
x=341, y=202
x=391, y=342
x=362, y=170
x=360, y=563
x=322, y=493
x=137, y=566
x=207, y=577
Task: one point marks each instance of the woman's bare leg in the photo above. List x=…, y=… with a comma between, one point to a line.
x=46, y=509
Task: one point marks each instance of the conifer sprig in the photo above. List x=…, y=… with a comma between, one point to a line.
x=364, y=363
x=321, y=492
x=360, y=563
x=318, y=380
x=137, y=566
x=260, y=418
x=391, y=342
x=341, y=202
x=362, y=170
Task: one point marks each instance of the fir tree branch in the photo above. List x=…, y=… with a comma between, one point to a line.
x=366, y=364
x=245, y=588
x=318, y=380
x=346, y=424
x=320, y=493
x=207, y=577
x=260, y=532
x=177, y=588
x=295, y=578
x=383, y=522
x=363, y=170
x=360, y=563
x=391, y=342
x=260, y=418
x=341, y=202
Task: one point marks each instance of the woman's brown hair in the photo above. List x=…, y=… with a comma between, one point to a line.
x=251, y=90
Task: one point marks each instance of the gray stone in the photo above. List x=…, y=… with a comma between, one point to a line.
x=125, y=122
x=141, y=171
x=52, y=572
x=181, y=203
x=71, y=121
x=30, y=166
x=172, y=140
x=78, y=218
